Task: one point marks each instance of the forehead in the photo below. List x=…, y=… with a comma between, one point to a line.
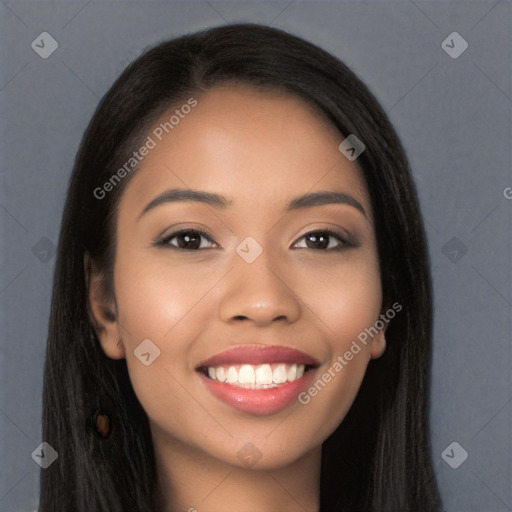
x=248, y=144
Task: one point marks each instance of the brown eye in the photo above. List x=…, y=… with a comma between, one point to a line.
x=186, y=239
x=324, y=240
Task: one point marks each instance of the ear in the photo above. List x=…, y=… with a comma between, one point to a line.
x=379, y=341
x=102, y=310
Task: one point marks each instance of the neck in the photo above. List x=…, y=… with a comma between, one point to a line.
x=190, y=480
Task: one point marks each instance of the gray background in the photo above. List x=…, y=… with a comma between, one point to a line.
x=453, y=116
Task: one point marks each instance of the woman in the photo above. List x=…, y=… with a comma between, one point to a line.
x=241, y=315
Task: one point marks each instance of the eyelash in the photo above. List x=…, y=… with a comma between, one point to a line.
x=345, y=242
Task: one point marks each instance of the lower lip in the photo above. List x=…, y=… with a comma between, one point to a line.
x=258, y=401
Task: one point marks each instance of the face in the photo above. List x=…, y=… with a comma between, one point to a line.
x=265, y=268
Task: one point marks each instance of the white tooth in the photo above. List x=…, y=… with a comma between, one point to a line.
x=220, y=374
x=292, y=372
x=232, y=375
x=246, y=374
x=264, y=374
x=211, y=372
x=300, y=370
x=279, y=374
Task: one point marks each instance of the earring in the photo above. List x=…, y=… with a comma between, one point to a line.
x=101, y=424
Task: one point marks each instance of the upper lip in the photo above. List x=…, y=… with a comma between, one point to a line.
x=260, y=354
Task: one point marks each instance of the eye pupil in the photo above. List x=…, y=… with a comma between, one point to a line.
x=188, y=241
x=317, y=241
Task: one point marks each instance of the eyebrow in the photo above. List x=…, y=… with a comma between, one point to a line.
x=217, y=201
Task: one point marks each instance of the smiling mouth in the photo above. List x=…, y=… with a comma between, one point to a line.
x=260, y=376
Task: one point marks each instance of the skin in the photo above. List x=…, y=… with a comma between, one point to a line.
x=260, y=149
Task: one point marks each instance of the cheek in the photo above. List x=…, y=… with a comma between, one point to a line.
x=154, y=296
x=153, y=301
x=167, y=304
x=345, y=299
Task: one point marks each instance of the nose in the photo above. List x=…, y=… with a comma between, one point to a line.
x=260, y=292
